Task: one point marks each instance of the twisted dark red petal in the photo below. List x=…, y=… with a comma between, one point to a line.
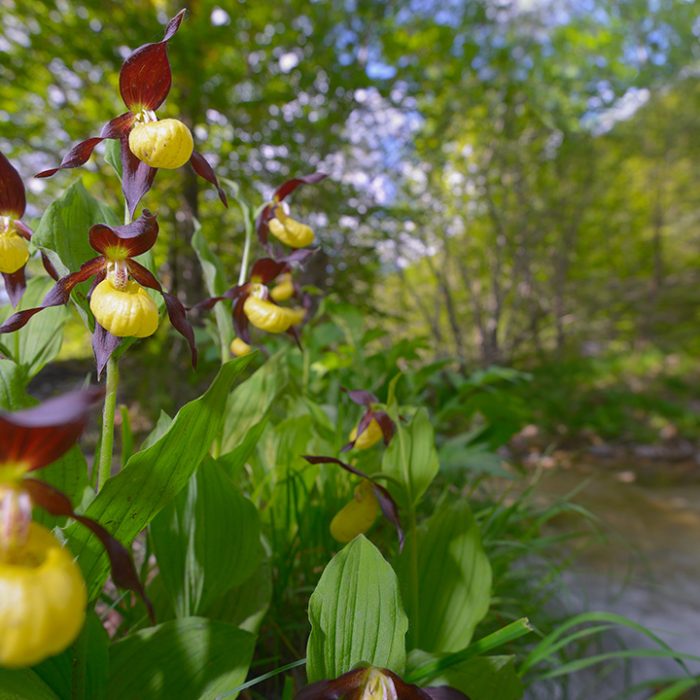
x=361, y=427
x=336, y=689
x=145, y=77
x=176, y=311
x=15, y=284
x=386, y=424
x=137, y=177
x=136, y=238
x=56, y=296
x=261, y=224
x=119, y=127
x=78, y=155
x=386, y=501
x=13, y=201
x=39, y=436
x=286, y=188
x=444, y=692
x=361, y=397
x=123, y=570
x=240, y=320
x=201, y=166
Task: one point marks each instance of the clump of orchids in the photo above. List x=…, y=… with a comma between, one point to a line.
x=42, y=592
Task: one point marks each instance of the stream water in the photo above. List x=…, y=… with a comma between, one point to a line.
x=646, y=567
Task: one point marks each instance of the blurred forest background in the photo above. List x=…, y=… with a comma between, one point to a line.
x=514, y=181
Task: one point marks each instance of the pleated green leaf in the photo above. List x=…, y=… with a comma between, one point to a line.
x=190, y=658
x=356, y=615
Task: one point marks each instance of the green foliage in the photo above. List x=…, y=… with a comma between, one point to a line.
x=356, y=615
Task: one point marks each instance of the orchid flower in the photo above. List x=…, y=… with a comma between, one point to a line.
x=121, y=306
x=14, y=235
x=255, y=304
x=357, y=516
x=146, y=143
x=371, y=683
x=274, y=218
x=373, y=426
x=42, y=594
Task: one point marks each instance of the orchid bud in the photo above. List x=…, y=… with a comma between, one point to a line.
x=239, y=347
x=126, y=312
x=14, y=252
x=284, y=289
x=369, y=437
x=357, y=516
x=42, y=599
x=290, y=232
x=269, y=317
x=162, y=144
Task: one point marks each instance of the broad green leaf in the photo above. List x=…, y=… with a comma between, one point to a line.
x=192, y=540
x=153, y=477
x=162, y=424
x=35, y=345
x=62, y=231
x=245, y=606
x=215, y=280
x=356, y=615
x=480, y=678
x=411, y=457
x=453, y=587
x=23, y=684
x=249, y=403
x=190, y=658
x=12, y=387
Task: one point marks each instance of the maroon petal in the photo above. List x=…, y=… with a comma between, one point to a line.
x=15, y=284
x=56, y=296
x=145, y=77
x=123, y=570
x=201, y=166
x=23, y=230
x=240, y=320
x=261, y=224
x=361, y=397
x=386, y=424
x=361, y=427
x=119, y=127
x=444, y=692
x=137, y=177
x=300, y=255
x=132, y=239
x=12, y=197
x=103, y=345
x=48, y=266
x=211, y=302
x=266, y=269
x=336, y=689
x=78, y=155
x=38, y=436
x=176, y=311
x=386, y=501
x=286, y=188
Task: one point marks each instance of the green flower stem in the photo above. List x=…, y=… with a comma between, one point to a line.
x=107, y=442
x=246, y=247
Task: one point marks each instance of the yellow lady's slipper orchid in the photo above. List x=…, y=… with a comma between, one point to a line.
x=269, y=317
x=240, y=348
x=124, y=312
x=289, y=231
x=166, y=143
x=14, y=251
x=357, y=516
x=284, y=289
x=369, y=437
x=42, y=599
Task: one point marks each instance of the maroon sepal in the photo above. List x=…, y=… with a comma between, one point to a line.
x=103, y=345
x=37, y=437
x=266, y=269
x=123, y=570
x=137, y=177
x=201, y=166
x=300, y=255
x=134, y=238
x=15, y=284
x=48, y=266
x=350, y=686
x=56, y=296
x=13, y=201
x=360, y=396
x=283, y=191
x=119, y=127
x=145, y=77
x=240, y=320
x=386, y=501
x=176, y=311
x=78, y=155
